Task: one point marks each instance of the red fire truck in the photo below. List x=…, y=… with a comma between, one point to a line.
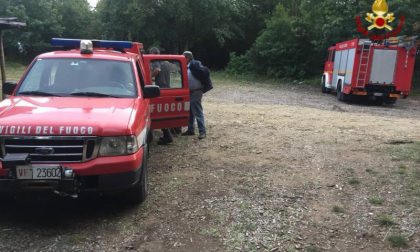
x=80, y=118
x=365, y=68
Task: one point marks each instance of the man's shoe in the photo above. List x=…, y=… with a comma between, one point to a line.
x=188, y=133
x=202, y=136
x=163, y=141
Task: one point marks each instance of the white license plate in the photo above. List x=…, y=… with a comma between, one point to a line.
x=41, y=172
x=378, y=94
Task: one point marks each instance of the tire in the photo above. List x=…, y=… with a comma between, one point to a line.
x=150, y=137
x=379, y=100
x=390, y=100
x=340, y=95
x=324, y=89
x=138, y=193
x=7, y=197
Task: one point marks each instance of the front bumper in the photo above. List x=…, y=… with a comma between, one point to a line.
x=97, y=183
x=101, y=174
x=379, y=90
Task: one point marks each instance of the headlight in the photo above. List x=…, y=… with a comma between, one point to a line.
x=118, y=146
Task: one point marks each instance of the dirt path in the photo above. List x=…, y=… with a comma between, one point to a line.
x=281, y=170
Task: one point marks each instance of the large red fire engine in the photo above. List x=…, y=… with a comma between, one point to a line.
x=80, y=119
x=365, y=68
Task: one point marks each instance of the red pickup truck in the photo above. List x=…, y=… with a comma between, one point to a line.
x=80, y=118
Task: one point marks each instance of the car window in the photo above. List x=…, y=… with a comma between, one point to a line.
x=168, y=73
x=66, y=76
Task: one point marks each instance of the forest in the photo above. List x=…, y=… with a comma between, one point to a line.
x=273, y=38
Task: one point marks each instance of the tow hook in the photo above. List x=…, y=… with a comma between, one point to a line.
x=68, y=173
x=64, y=194
x=69, y=185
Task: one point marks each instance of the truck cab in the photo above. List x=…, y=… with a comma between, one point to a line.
x=80, y=119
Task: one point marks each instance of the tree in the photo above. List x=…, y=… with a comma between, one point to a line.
x=77, y=18
x=43, y=22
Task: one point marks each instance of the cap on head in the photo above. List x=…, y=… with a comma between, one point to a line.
x=154, y=50
x=188, y=55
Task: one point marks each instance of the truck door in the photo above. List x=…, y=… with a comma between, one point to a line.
x=169, y=72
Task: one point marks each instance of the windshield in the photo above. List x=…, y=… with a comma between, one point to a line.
x=79, y=77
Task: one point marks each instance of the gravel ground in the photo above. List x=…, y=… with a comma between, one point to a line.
x=282, y=169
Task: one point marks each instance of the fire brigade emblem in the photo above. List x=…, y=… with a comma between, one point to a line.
x=379, y=20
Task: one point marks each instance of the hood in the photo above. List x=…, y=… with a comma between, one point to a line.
x=67, y=116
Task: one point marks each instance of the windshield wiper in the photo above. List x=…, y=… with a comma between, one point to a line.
x=92, y=94
x=37, y=93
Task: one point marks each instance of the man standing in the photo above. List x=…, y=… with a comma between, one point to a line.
x=161, y=74
x=196, y=94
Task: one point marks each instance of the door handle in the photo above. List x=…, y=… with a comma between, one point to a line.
x=179, y=98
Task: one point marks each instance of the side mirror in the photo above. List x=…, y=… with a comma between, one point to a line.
x=9, y=87
x=151, y=91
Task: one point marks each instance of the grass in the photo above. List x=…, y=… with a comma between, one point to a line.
x=211, y=232
x=312, y=248
x=410, y=175
x=386, y=220
x=398, y=241
x=249, y=78
x=416, y=84
x=402, y=170
x=14, y=70
x=338, y=209
x=408, y=152
x=354, y=181
x=376, y=201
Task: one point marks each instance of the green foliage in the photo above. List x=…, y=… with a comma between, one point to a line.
x=77, y=19
x=43, y=22
x=272, y=38
x=354, y=181
x=376, y=201
x=204, y=27
x=398, y=241
x=338, y=209
x=299, y=32
x=385, y=220
x=239, y=65
x=45, y=19
x=14, y=71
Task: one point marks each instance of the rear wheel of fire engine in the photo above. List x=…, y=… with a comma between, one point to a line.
x=138, y=193
x=390, y=100
x=324, y=89
x=379, y=100
x=340, y=95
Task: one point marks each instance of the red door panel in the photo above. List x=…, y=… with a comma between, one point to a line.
x=172, y=108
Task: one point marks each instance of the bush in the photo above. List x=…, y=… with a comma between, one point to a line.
x=239, y=64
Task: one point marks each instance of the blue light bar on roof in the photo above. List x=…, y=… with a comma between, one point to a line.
x=112, y=44
x=75, y=43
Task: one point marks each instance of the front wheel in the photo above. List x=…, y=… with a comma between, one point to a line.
x=138, y=193
x=324, y=89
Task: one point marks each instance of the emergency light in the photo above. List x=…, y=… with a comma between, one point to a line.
x=86, y=47
x=76, y=43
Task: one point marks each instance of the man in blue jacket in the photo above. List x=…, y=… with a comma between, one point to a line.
x=196, y=94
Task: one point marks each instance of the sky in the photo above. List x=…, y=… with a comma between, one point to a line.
x=92, y=2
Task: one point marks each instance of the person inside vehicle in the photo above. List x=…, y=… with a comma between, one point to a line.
x=161, y=74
